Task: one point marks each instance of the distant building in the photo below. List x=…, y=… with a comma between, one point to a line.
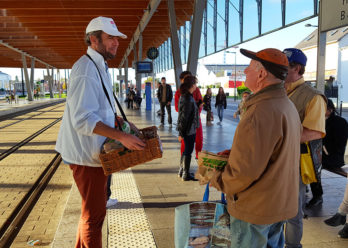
x=336, y=62
x=226, y=74
x=4, y=81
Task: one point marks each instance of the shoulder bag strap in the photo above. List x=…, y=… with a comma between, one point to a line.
x=106, y=93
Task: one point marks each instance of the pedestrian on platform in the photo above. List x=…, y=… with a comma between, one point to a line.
x=89, y=118
x=220, y=104
x=188, y=122
x=311, y=108
x=261, y=176
x=165, y=97
x=335, y=141
x=240, y=110
x=199, y=101
x=341, y=217
x=130, y=97
x=207, y=106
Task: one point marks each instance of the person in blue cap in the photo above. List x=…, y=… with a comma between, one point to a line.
x=311, y=106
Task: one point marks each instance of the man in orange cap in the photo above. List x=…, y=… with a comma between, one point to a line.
x=261, y=177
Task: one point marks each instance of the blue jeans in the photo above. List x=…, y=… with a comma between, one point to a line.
x=220, y=110
x=247, y=235
x=189, y=141
x=294, y=226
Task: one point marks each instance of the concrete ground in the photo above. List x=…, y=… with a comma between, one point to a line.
x=153, y=190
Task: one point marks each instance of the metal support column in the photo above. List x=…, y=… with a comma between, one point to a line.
x=22, y=82
x=121, y=87
x=126, y=73
x=259, y=15
x=50, y=80
x=195, y=37
x=184, y=42
x=321, y=55
x=241, y=17
x=52, y=83
x=135, y=53
x=315, y=7
x=215, y=25
x=283, y=12
x=66, y=82
x=227, y=18
x=205, y=33
x=27, y=82
x=140, y=57
x=32, y=70
x=175, y=42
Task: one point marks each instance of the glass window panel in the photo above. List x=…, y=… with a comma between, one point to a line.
x=250, y=21
x=297, y=10
x=210, y=30
x=182, y=44
x=271, y=15
x=201, y=46
x=233, y=24
x=188, y=33
x=221, y=34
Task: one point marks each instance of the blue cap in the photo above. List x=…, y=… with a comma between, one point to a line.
x=295, y=56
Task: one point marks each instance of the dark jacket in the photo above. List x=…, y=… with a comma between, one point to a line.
x=335, y=141
x=188, y=119
x=207, y=103
x=221, y=100
x=169, y=91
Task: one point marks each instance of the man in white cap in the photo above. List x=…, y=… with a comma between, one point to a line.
x=89, y=118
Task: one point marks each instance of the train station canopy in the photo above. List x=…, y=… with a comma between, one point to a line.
x=53, y=31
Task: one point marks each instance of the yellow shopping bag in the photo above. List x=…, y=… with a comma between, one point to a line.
x=307, y=167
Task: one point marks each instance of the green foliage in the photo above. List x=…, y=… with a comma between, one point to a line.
x=241, y=89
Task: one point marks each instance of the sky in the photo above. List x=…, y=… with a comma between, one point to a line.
x=271, y=19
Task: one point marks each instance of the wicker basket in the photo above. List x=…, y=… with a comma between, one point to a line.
x=122, y=159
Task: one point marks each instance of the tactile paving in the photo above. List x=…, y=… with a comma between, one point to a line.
x=127, y=222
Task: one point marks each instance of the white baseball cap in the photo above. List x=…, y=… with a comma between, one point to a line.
x=105, y=24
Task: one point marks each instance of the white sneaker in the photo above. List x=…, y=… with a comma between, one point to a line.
x=161, y=125
x=111, y=202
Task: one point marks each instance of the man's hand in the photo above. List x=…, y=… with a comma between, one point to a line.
x=180, y=138
x=224, y=153
x=168, y=103
x=131, y=142
x=235, y=116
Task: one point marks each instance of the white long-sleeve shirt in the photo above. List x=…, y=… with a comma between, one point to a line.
x=86, y=105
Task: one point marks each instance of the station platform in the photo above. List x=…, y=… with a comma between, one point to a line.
x=147, y=194
x=7, y=108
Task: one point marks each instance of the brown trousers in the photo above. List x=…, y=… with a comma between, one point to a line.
x=91, y=183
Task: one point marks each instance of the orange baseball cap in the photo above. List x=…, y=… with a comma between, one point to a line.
x=274, y=60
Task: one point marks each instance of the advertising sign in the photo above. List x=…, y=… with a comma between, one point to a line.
x=334, y=14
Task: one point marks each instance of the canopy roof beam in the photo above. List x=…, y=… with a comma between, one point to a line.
x=151, y=9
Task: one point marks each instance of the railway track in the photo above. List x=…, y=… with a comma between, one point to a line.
x=20, y=212
x=23, y=112
x=17, y=218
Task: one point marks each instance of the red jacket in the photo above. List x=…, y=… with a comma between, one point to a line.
x=196, y=95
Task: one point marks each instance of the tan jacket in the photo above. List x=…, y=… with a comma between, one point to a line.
x=261, y=178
